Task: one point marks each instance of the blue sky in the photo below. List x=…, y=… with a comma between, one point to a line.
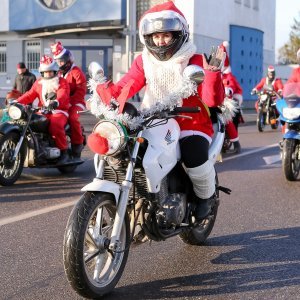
x=286, y=11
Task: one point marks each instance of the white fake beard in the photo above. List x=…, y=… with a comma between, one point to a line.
x=49, y=86
x=164, y=77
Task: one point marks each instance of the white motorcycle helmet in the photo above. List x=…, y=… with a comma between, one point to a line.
x=163, y=18
x=48, y=64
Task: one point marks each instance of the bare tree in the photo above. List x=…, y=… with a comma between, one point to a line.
x=287, y=53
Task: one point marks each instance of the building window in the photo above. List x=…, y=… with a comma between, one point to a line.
x=33, y=53
x=255, y=4
x=247, y=3
x=2, y=57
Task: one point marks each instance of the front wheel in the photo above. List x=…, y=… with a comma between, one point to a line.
x=260, y=121
x=10, y=169
x=91, y=268
x=291, y=159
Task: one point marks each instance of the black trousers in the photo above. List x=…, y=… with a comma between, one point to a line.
x=194, y=150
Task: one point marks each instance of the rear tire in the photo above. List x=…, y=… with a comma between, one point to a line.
x=90, y=268
x=198, y=234
x=290, y=161
x=10, y=170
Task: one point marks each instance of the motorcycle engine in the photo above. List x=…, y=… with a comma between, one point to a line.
x=172, y=210
x=52, y=153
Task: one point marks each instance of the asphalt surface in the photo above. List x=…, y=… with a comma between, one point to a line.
x=252, y=252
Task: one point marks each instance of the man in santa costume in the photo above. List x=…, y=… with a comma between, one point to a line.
x=269, y=82
x=235, y=92
x=77, y=81
x=168, y=50
x=295, y=76
x=50, y=83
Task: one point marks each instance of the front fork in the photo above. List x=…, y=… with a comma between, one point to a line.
x=123, y=200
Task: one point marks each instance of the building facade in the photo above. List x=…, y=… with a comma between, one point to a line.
x=106, y=31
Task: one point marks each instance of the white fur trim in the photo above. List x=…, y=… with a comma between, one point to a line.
x=60, y=54
x=166, y=14
x=225, y=44
x=59, y=111
x=226, y=70
x=80, y=105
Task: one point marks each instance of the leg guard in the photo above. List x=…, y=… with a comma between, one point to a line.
x=203, y=179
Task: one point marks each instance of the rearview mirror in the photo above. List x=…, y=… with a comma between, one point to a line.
x=194, y=73
x=95, y=71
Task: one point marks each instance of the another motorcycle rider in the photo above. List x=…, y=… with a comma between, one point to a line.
x=269, y=82
x=164, y=31
x=50, y=83
x=295, y=76
x=77, y=81
x=231, y=83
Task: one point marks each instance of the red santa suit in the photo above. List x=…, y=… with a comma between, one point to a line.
x=77, y=81
x=276, y=84
x=59, y=117
x=211, y=91
x=295, y=76
x=164, y=84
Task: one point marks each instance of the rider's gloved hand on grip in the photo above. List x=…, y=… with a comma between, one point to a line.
x=107, y=91
x=53, y=104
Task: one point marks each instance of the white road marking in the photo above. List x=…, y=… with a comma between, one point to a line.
x=251, y=152
x=269, y=160
x=34, y=213
x=45, y=210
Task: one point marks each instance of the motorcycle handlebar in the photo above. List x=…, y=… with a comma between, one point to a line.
x=187, y=109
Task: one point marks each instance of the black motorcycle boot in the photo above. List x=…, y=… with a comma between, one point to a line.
x=203, y=207
x=64, y=157
x=236, y=147
x=76, y=150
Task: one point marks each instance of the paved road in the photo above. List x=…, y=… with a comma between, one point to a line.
x=252, y=253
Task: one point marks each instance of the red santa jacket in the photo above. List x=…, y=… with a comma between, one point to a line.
x=229, y=80
x=77, y=81
x=62, y=93
x=276, y=83
x=211, y=93
x=295, y=76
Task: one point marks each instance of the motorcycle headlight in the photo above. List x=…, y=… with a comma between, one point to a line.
x=291, y=113
x=16, y=111
x=263, y=97
x=115, y=134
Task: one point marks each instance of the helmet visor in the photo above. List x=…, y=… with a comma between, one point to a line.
x=161, y=25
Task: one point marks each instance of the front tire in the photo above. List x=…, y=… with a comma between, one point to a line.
x=260, y=121
x=10, y=170
x=290, y=159
x=91, y=269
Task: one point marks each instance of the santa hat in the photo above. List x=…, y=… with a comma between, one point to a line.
x=47, y=64
x=271, y=69
x=58, y=50
x=226, y=66
x=167, y=10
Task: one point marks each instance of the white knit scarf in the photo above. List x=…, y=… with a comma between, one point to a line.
x=164, y=78
x=48, y=86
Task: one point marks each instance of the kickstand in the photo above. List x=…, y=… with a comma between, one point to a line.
x=224, y=189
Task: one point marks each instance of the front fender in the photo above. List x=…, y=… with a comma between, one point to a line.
x=6, y=127
x=99, y=185
x=292, y=134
